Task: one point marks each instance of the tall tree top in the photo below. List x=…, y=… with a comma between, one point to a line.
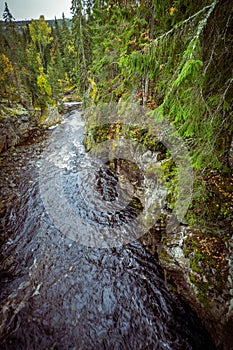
x=7, y=16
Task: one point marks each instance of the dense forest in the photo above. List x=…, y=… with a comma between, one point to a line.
x=37, y=62
x=173, y=58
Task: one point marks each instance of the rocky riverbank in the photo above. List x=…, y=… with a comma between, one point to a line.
x=197, y=259
x=198, y=266
x=197, y=256
x=19, y=124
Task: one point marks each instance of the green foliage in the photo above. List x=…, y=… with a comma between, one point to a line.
x=40, y=33
x=166, y=60
x=158, y=53
x=44, y=87
x=37, y=62
x=190, y=70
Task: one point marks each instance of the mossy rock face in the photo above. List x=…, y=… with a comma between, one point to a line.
x=16, y=125
x=213, y=201
x=197, y=266
x=15, y=111
x=202, y=256
x=208, y=258
x=50, y=117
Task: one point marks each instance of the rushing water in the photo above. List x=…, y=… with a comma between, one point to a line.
x=57, y=293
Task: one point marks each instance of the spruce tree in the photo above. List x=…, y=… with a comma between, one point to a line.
x=7, y=16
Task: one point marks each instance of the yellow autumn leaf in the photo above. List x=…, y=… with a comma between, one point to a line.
x=93, y=88
x=172, y=10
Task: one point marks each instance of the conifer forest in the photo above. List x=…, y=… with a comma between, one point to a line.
x=171, y=59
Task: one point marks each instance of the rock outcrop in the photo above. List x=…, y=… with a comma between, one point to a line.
x=17, y=124
x=198, y=266
x=15, y=127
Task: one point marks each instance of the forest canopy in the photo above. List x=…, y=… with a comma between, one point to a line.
x=172, y=56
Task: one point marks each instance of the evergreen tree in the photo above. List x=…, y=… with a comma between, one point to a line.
x=11, y=49
x=7, y=16
x=82, y=37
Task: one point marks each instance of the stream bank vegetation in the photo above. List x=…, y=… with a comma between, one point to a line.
x=175, y=59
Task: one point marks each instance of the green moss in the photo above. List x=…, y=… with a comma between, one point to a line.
x=212, y=199
x=208, y=261
x=43, y=118
x=164, y=257
x=194, y=265
x=203, y=297
x=202, y=290
x=192, y=278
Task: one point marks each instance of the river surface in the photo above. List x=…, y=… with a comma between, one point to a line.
x=59, y=293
